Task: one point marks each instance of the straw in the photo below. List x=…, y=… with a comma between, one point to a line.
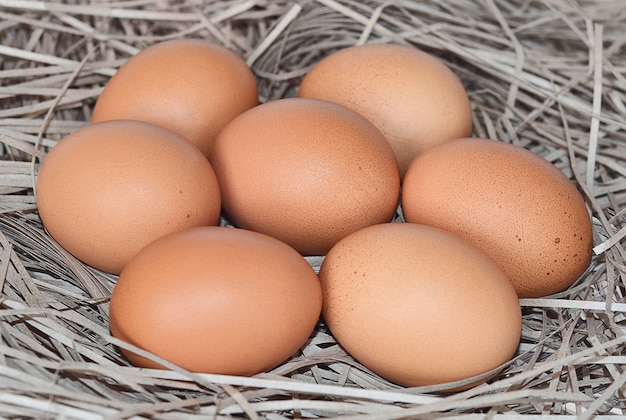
x=549, y=76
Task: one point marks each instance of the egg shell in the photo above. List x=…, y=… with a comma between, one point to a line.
x=413, y=97
x=305, y=171
x=108, y=189
x=512, y=203
x=190, y=86
x=216, y=300
x=419, y=306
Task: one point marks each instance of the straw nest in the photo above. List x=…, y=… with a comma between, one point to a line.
x=549, y=75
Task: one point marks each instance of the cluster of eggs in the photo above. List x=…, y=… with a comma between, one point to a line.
x=178, y=139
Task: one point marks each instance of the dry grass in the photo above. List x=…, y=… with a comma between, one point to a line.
x=549, y=75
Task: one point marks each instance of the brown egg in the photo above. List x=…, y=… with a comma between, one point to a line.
x=190, y=86
x=108, y=189
x=418, y=305
x=516, y=206
x=410, y=95
x=305, y=171
x=216, y=300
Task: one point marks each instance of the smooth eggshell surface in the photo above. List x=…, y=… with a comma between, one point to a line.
x=108, y=189
x=513, y=204
x=418, y=305
x=411, y=96
x=216, y=300
x=190, y=86
x=305, y=171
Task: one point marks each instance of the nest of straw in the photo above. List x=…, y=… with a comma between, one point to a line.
x=549, y=75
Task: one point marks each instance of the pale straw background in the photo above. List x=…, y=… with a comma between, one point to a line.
x=549, y=75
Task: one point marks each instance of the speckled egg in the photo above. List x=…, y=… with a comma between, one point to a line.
x=107, y=189
x=305, y=171
x=412, y=96
x=190, y=86
x=216, y=300
x=513, y=204
x=420, y=306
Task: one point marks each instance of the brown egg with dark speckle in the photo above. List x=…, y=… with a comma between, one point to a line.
x=515, y=205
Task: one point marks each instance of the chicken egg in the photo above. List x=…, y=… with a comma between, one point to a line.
x=305, y=171
x=107, y=189
x=419, y=306
x=510, y=202
x=190, y=86
x=216, y=300
x=413, y=97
